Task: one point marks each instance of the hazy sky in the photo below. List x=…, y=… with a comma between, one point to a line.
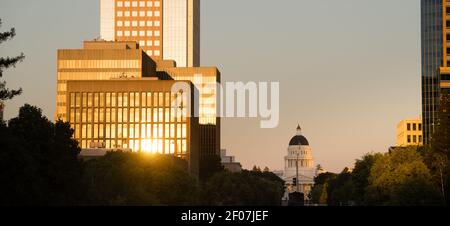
x=349, y=70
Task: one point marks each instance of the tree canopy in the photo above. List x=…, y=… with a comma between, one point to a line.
x=38, y=161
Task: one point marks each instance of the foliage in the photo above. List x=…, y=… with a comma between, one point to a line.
x=139, y=179
x=209, y=165
x=401, y=178
x=340, y=189
x=438, y=154
x=38, y=161
x=360, y=176
x=319, y=193
x=7, y=62
x=243, y=189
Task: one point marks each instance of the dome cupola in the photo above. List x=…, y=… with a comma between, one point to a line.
x=299, y=139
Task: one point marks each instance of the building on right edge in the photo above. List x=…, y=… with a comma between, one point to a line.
x=435, y=38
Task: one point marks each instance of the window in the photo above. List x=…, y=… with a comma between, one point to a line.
x=157, y=23
x=119, y=33
x=127, y=23
x=149, y=3
x=149, y=13
x=119, y=13
x=408, y=126
x=142, y=13
x=127, y=4
x=134, y=13
x=414, y=139
x=420, y=126
x=149, y=23
x=134, y=23
x=157, y=13
x=157, y=53
x=157, y=43
x=127, y=13
x=119, y=23
x=157, y=33
x=142, y=3
x=135, y=4
x=150, y=53
x=157, y=4
x=141, y=33
x=119, y=3
x=142, y=23
x=150, y=43
x=420, y=139
x=414, y=126
x=142, y=43
x=409, y=139
x=127, y=33
x=134, y=33
x=149, y=33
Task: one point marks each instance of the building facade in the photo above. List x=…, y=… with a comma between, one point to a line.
x=165, y=29
x=435, y=36
x=137, y=114
x=169, y=32
x=409, y=133
x=299, y=160
x=229, y=162
x=206, y=80
x=444, y=70
x=99, y=61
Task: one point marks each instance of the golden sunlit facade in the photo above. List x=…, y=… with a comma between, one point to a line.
x=116, y=97
x=205, y=80
x=444, y=70
x=410, y=133
x=99, y=61
x=165, y=29
x=138, y=114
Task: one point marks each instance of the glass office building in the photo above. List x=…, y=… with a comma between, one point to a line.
x=205, y=80
x=165, y=29
x=432, y=52
x=99, y=61
x=136, y=114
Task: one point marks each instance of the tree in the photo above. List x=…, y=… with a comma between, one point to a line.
x=242, y=189
x=209, y=165
x=121, y=178
x=7, y=62
x=438, y=156
x=39, y=161
x=340, y=189
x=319, y=193
x=401, y=178
x=360, y=176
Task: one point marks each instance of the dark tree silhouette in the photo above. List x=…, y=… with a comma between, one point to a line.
x=7, y=62
x=38, y=161
x=438, y=156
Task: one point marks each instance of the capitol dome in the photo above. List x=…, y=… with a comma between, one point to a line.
x=299, y=139
x=299, y=165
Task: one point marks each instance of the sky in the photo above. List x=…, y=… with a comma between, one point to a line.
x=349, y=70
